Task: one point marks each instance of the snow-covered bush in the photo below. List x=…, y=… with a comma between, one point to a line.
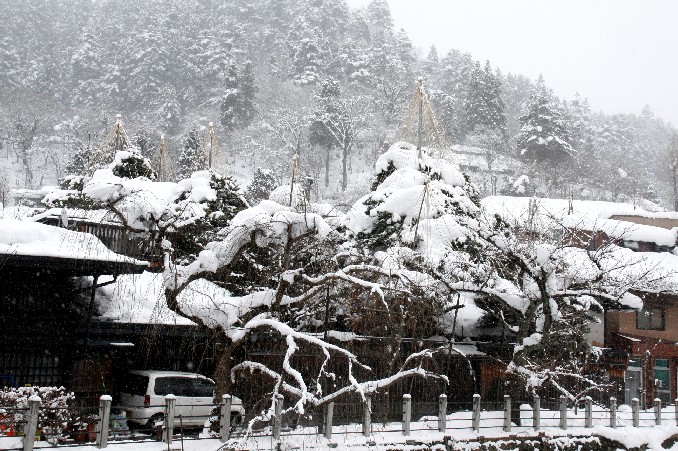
x=53, y=415
x=131, y=164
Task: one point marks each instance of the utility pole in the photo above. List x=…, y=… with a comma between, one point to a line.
x=420, y=92
x=294, y=174
x=210, y=132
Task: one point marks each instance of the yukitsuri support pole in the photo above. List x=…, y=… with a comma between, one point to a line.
x=277, y=418
x=676, y=400
x=104, y=418
x=507, y=413
x=613, y=412
x=536, y=413
x=367, y=415
x=170, y=401
x=658, y=411
x=563, y=412
x=225, y=420
x=31, y=422
x=588, y=412
x=329, y=416
x=442, y=413
x=407, y=413
x=635, y=411
x=476, y=412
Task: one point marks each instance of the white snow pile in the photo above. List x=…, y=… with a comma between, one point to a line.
x=32, y=238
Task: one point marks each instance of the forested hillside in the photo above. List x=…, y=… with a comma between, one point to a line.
x=285, y=77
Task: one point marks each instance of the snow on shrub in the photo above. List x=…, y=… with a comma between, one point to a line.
x=52, y=418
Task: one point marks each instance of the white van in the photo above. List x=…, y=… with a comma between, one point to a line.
x=142, y=395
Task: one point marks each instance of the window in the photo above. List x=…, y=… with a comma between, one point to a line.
x=30, y=368
x=203, y=388
x=650, y=319
x=135, y=384
x=177, y=386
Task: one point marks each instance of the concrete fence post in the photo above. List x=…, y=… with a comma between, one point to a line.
x=476, y=412
x=536, y=413
x=168, y=433
x=329, y=416
x=31, y=422
x=588, y=412
x=563, y=412
x=507, y=413
x=407, y=413
x=442, y=413
x=225, y=420
x=613, y=412
x=635, y=412
x=104, y=420
x=367, y=415
x=658, y=411
x=277, y=418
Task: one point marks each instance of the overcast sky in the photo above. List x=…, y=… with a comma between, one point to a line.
x=620, y=54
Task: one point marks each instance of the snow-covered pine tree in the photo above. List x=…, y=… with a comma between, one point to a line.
x=116, y=140
x=483, y=106
x=330, y=16
x=515, y=91
x=9, y=64
x=456, y=73
x=379, y=17
x=263, y=183
x=544, y=135
x=307, y=56
x=319, y=135
x=405, y=50
x=142, y=140
x=248, y=89
x=168, y=110
x=192, y=157
x=230, y=102
x=430, y=67
x=161, y=160
x=358, y=29
x=672, y=153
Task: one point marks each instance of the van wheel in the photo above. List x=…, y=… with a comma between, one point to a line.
x=154, y=419
x=236, y=420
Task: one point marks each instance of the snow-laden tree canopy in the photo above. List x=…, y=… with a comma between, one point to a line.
x=415, y=257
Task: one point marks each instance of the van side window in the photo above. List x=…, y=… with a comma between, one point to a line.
x=203, y=388
x=177, y=386
x=135, y=384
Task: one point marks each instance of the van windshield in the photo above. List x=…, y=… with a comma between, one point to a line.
x=135, y=384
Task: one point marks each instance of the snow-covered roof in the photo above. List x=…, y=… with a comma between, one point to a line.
x=548, y=214
x=475, y=158
x=624, y=230
x=26, y=238
x=99, y=216
x=137, y=298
